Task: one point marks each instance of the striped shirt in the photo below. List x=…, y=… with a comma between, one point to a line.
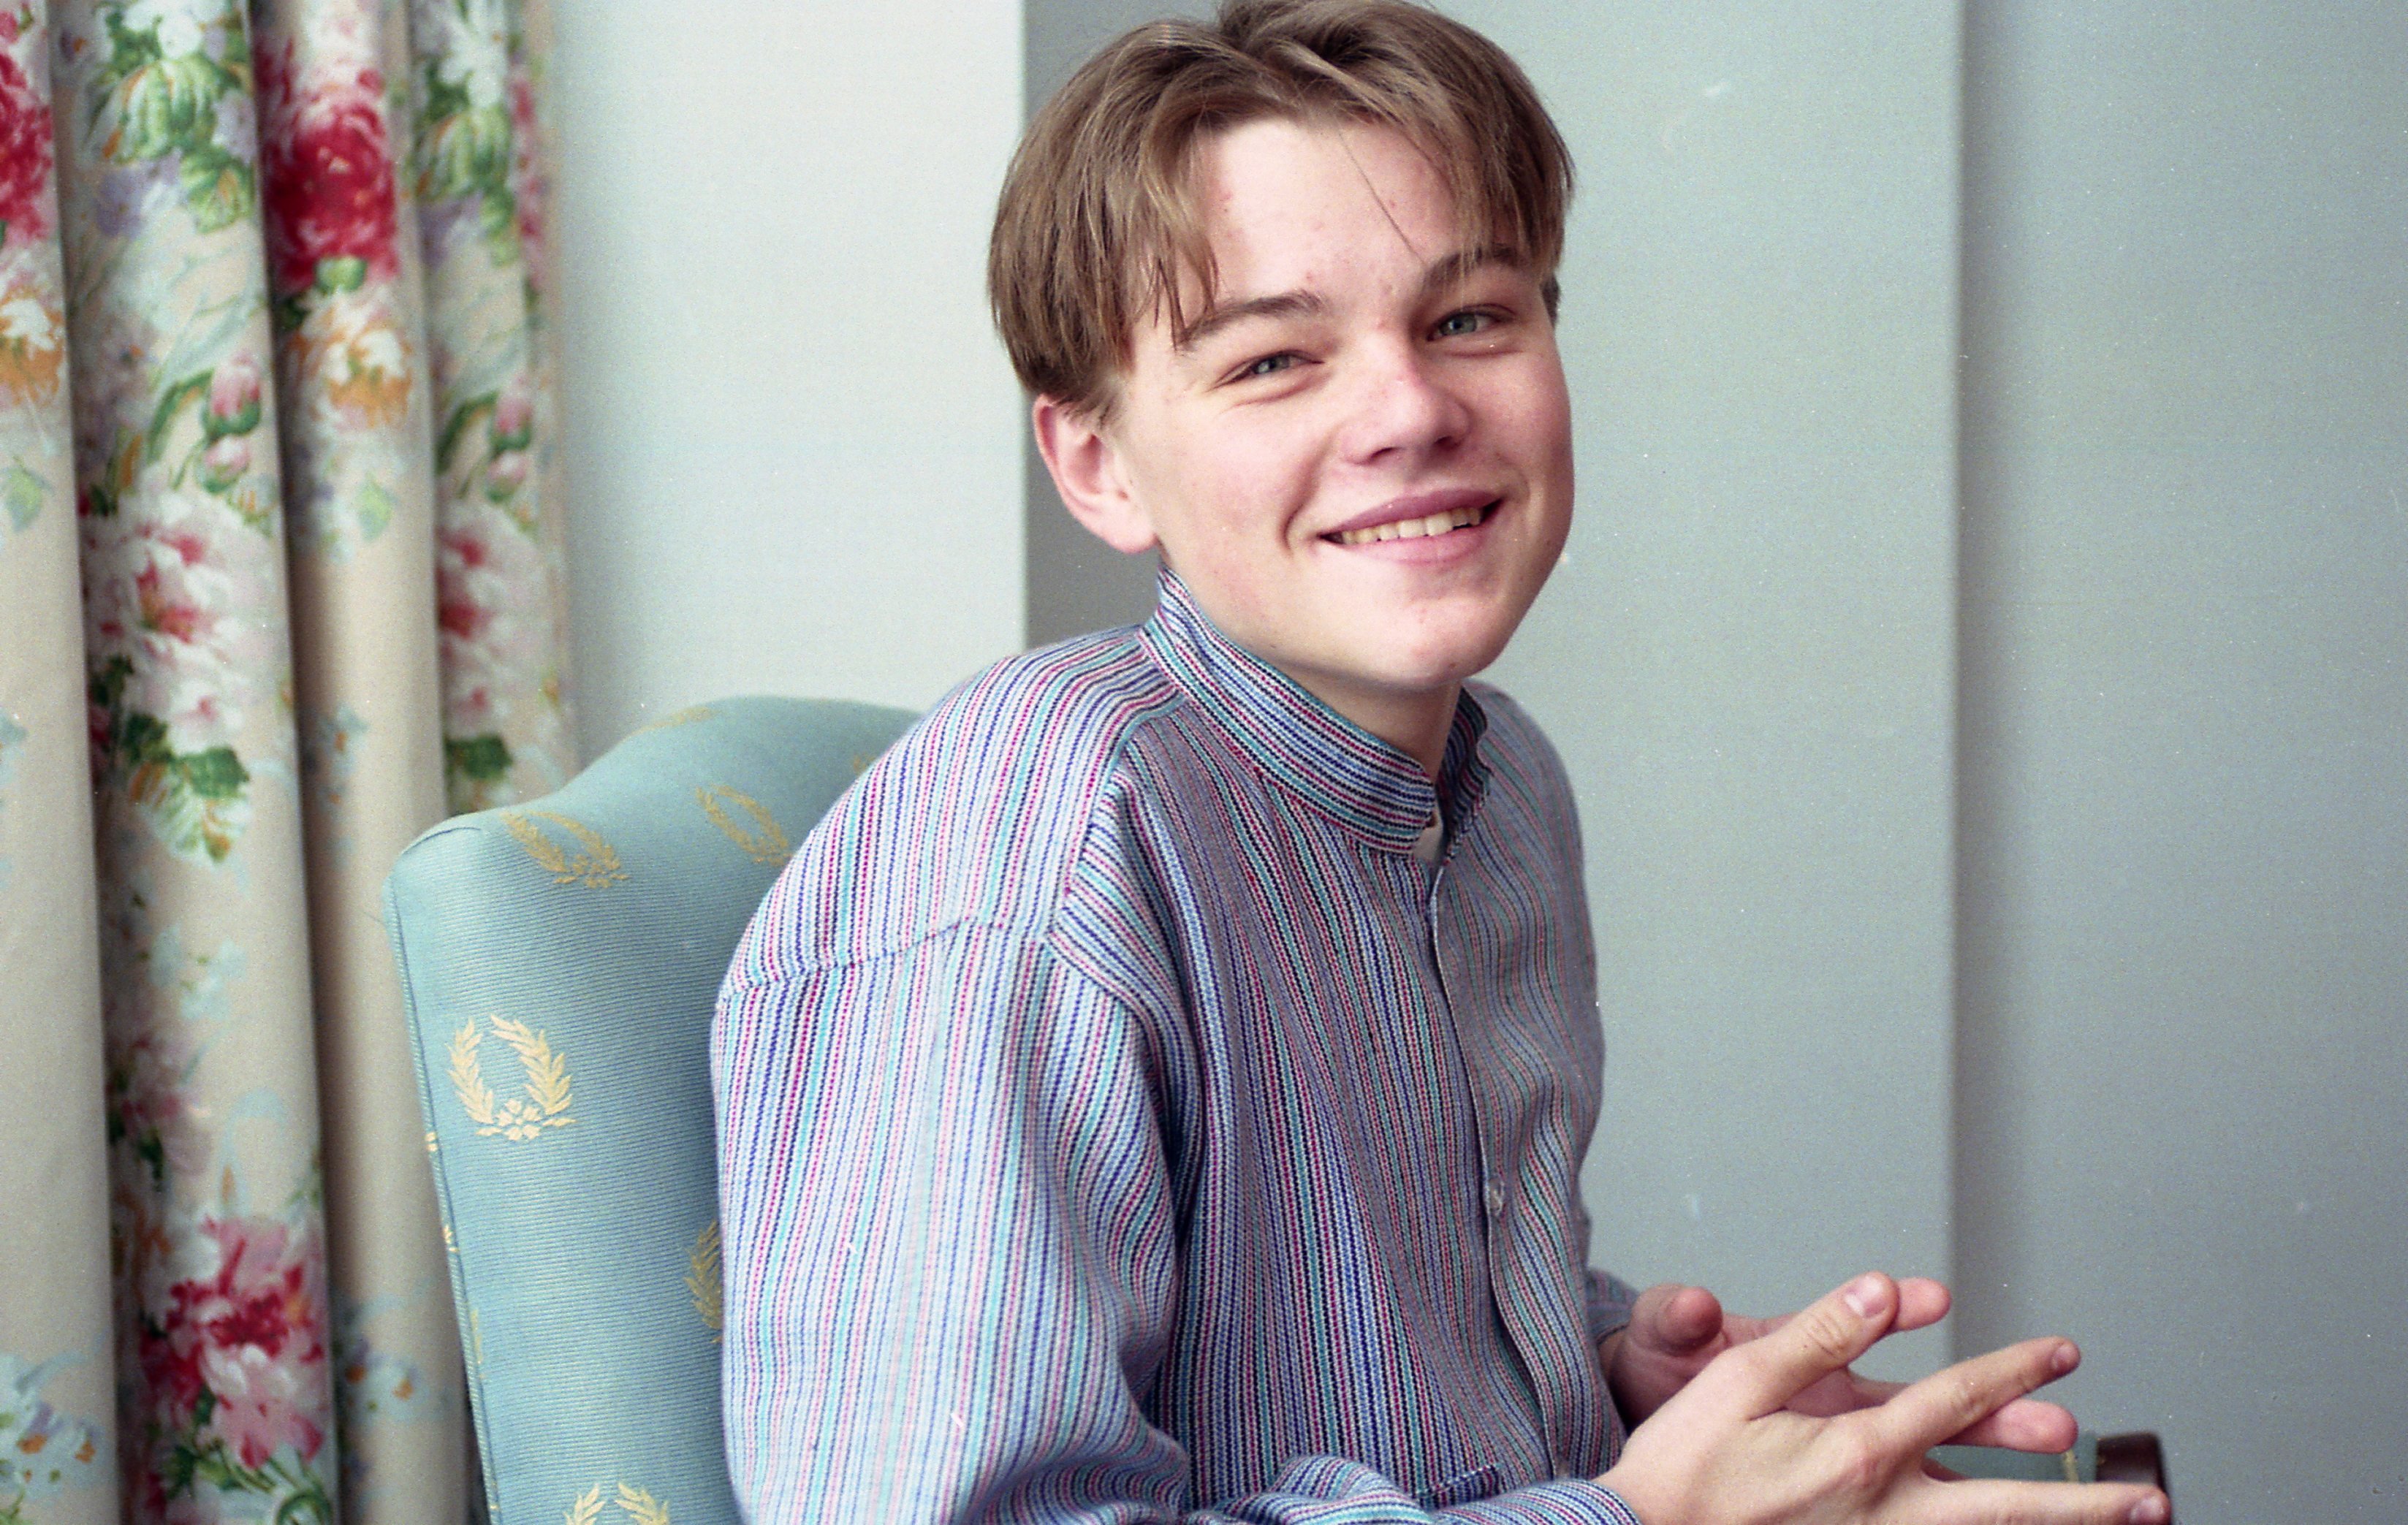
x=1119, y=1121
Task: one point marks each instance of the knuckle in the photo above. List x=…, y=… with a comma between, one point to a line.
x=1827, y=1336
x=1858, y=1462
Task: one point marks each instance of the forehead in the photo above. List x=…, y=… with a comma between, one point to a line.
x=1288, y=202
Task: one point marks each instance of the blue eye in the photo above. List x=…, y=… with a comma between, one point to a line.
x=1267, y=366
x=1456, y=324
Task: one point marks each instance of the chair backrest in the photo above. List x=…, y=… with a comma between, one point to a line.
x=560, y=960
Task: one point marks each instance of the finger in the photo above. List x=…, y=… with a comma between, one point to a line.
x=1951, y=1402
x=1820, y=1339
x=2051, y=1504
x=1843, y=1392
x=1676, y=1319
x=2027, y=1424
x=1921, y=1302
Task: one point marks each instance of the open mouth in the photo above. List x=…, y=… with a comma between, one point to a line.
x=1417, y=529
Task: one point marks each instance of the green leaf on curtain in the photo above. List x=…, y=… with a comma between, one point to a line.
x=214, y=774
x=109, y=682
x=479, y=760
x=375, y=507
x=128, y=49
x=22, y=496
x=457, y=425
x=163, y=416
x=141, y=738
x=217, y=188
x=161, y=106
x=343, y=273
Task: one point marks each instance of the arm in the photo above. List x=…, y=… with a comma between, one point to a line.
x=951, y=1256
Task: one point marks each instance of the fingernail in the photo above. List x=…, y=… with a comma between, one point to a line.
x=2149, y=1511
x=1863, y=1296
x=2065, y=1359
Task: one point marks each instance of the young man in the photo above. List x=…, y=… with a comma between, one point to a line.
x=1157, y=1090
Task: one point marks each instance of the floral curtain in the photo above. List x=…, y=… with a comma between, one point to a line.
x=280, y=547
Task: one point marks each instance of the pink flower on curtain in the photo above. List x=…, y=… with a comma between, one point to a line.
x=234, y=393
x=245, y=1334
x=328, y=173
x=530, y=187
x=24, y=156
x=233, y=1366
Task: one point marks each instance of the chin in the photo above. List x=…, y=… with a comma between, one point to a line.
x=1441, y=663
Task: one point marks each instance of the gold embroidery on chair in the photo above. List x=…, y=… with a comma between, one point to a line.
x=597, y=867
x=766, y=846
x=635, y=1505
x=545, y=1103
x=671, y=722
x=702, y=1282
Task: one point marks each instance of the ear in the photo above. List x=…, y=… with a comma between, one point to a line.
x=1087, y=473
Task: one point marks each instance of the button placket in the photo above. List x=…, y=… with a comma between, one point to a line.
x=1495, y=1196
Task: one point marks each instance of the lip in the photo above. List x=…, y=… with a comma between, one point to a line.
x=1415, y=506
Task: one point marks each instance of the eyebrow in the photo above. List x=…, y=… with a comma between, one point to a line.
x=1214, y=320
x=1448, y=271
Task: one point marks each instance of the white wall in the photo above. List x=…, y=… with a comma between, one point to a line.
x=2185, y=1063
x=1747, y=659
x=793, y=440
x=1077, y=583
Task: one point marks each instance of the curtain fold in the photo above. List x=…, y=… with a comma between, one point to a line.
x=344, y=282
x=505, y=733
x=218, y=1230
x=280, y=556
x=57, y=1386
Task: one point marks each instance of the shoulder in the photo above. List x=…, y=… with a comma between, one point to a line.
x=1524, y=771
x=974, y=816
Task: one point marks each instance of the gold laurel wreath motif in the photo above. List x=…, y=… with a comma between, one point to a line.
x=702, y=1282
x=546, y=1101
x=597, y=867
x=768, y=845
x=634, y=1505
x=671, y=722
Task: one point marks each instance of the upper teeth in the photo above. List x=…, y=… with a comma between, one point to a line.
x=1411, y=529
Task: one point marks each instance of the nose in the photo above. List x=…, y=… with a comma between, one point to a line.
x=1401, y=402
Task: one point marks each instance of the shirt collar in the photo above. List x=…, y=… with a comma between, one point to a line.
x=1337, y=769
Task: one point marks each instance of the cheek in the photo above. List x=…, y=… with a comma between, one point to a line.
x=1247, y=484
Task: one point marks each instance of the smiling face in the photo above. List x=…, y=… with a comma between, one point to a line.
x=1358, y=459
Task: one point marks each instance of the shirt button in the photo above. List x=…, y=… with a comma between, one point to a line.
x=1495, y=1196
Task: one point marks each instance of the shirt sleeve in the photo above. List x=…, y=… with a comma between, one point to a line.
x=950, y=1259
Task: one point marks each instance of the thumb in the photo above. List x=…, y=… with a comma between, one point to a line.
x=1674, y=1320
x=1822, y=1338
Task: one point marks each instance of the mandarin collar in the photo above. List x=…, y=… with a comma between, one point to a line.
x=1361, y=784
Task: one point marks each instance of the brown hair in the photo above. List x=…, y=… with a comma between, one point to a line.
x=1097, y=222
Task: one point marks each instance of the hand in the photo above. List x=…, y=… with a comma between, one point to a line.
x=1675, y=1331
x=1730, y=1448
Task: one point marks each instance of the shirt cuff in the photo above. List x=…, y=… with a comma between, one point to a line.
x=1566, y=1501
x=1609, y=1303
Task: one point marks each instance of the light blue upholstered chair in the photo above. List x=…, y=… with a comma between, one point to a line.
x=560, y=960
